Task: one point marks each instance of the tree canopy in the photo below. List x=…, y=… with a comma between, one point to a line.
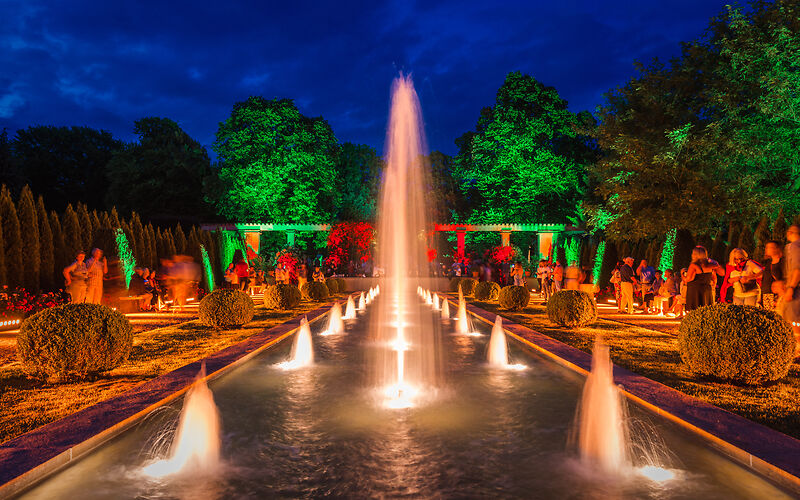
x=525, y=161
x=275, y=164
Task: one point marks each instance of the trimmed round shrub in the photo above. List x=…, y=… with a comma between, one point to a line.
x=468, y=286
x=571, y=308
x=454, y=282
x=744, y=344
x=315, y=290
x=226, y=307
x=282, y=296
x=487, y=290
x=342, y=285
x=74, y=339
x=333, y=285
x=513, y=297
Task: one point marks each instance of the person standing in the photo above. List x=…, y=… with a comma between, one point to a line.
x=96, y=268
x=646, y=275
x=772, y=279
x=627, y=280
x=744, y=277
x=318, y=275
x=543, y=275
x=558, y=276
x=615, y=280
x=518, y=274
x=700, y=279
x=791, y=295
x=75, y=278
x=302, y=275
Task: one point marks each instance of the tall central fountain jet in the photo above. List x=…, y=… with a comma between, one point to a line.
x=406, y=360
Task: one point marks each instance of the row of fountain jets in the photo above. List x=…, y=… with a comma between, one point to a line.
x=602, y=434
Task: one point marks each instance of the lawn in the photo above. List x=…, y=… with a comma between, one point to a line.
x=655, y=355
x=26, y=403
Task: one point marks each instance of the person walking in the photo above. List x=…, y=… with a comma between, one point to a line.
x=744, y=278
x=543, y=276
x=75, y=278
x=96, y=268
x=615, y=280
x=700, y=279
x=646, y=275
x=518, y=274
x=627, y=280
x=791, y=296
x=558, y=277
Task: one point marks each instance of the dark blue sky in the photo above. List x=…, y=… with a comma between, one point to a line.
x=106, y=63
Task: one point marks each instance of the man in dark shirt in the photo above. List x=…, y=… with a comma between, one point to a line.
x=627, y=280
x=772, y=277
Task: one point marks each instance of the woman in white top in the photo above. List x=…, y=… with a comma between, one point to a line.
x=744, y=278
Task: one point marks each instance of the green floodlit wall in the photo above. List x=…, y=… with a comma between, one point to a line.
x=668, y=253
x=598, y=262
x=126, y=259
x=229, y=242
x=208, y=268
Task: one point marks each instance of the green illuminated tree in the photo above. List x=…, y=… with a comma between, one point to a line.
x=161, y=177
x=276, y=165
x=525, y=161
x=29, y=232
x=358, y=169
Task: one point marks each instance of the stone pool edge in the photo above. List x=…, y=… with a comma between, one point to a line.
x=29, y=458
x=770, y=453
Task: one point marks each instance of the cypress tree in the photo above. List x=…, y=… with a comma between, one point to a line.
x=47, y=266
x=610, y=258
x=734, y=233
x=29, y=225
x=59, y=248
x=161, y=252
x=169, y=243
x=684, y=243
x=779, y=228
x=763, y=234
x=87, y=231
x=96, y=224
x=12, y=239
x=105, y=221
x=746, y=240
x=718, y=247
x=70, y=227
x=139, y=239
x=151, y=241
x=180, y=240
x=3, y=275
x=114, y=218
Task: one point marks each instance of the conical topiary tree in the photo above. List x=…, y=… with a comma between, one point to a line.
x=87, y=231
x=151, y=242
x=12, y=239
x=779, y=228
x=734, y=233
x=3, y=275
x=29, y=236
x=47, y=265
x=746, y=240
x=180, y=239
x=762, y=235
x=59, y=249
x=71, y=229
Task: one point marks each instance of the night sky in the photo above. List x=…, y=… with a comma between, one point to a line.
x=106, y=63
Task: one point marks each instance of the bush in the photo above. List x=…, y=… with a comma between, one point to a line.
x=744, y=344
x=571, y=308
x=342, y=285
x=513, y=297
x=282, y=296
x=315, y=290
x=333, y=285
x=226, y=307
x=74, y=339
x=454, y=282
x=468, y=285
x=487, y=290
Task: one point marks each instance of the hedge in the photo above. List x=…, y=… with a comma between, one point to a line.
x=743, y=344
x=74, y=339
x=315, y=290
x=571, y=308
x=513, y=297
x=226, y=307
x=342, y=285
x=487, y=290
x=468, y=286
x=333, y=285
x=282, y=296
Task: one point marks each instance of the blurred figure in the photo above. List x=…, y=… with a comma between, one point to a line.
x=571, y=276
x=239, y=271
x=318, y=274
x=96, y=268
x=543, y=274
x=75, y=276
x=518, y=274
x=302, y=275
x=183, y=273
x=772, y=279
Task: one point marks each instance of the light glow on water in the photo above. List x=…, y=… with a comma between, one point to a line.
x=657, y=474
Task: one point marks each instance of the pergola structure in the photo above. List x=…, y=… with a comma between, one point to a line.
x=548, y=234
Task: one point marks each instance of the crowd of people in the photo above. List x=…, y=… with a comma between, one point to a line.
x=241, y=275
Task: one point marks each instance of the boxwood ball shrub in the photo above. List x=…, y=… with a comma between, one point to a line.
x=74, y=339
x=226, y=307
x=487, y=290
x=571, y=308
x=744, y=344
x=342, y=285
x=282, y=296
x=468, y=286
x=513, y=297
x=333, y=285
x=315, y=290
x=454, y=282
